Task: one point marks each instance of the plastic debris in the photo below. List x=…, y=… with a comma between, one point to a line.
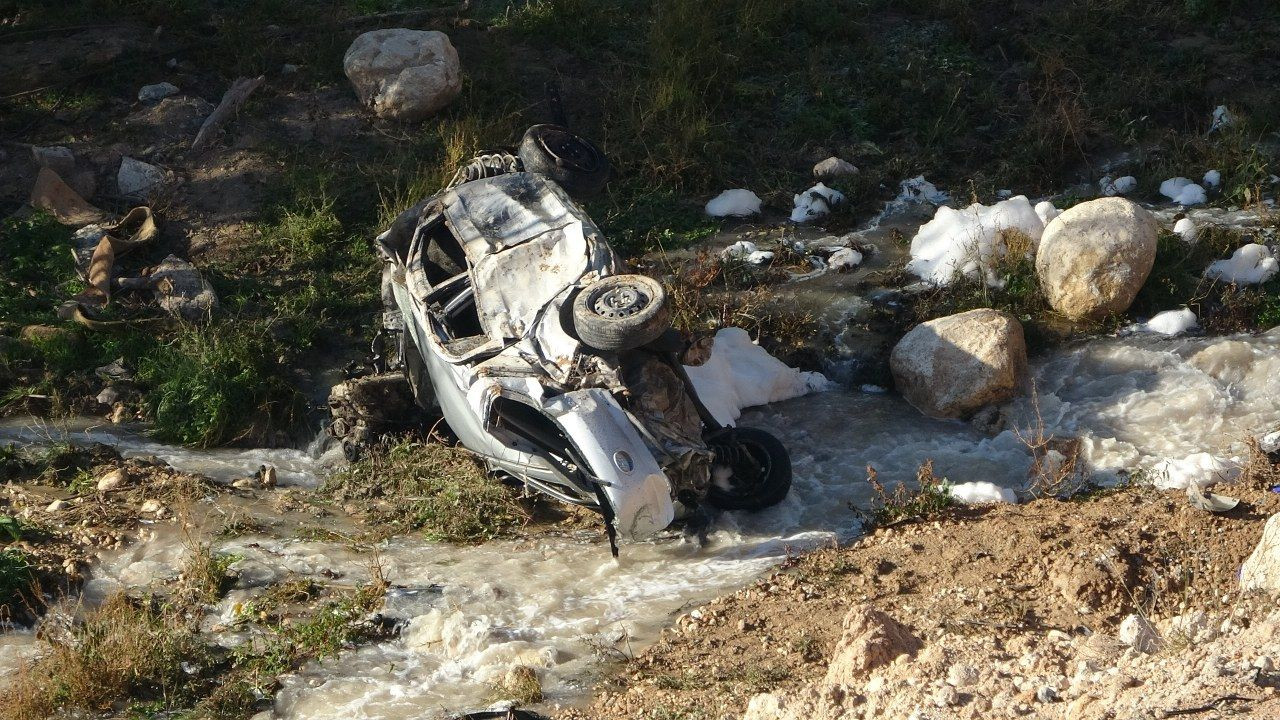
x=815, y=202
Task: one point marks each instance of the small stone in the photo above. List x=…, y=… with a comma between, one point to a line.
x=267, y=476
x=109, y=396
x=152, y=507
x=946, y=696
x=1264, y=663
x=137, y=180
x=962, y=675
x=1046, y=694
x=1138, y=633
x=833, y=167
x=157, y=92
x=244, y=483
x=56, y=506
x=120, y=414
x=112, y=480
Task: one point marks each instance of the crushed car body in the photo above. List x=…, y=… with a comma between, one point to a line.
x=518, y=324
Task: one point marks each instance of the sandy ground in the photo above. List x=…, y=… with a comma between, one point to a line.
x=1019, y=611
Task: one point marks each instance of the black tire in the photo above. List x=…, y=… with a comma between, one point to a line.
x=415, y=370
x=759, y=470
x=574, y=162
x=621, y=312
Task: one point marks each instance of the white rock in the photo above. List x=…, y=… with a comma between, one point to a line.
x=1186, y=229
x=1249, y=265
x=815, y=202
x=844, y=258
x=156, y=92
x=738, y=202
x=57, y=506
x=966, y=243
x=138, y=180
x=112, y=480
x=962, y=675
x=404, y=74
x=1212, y=179
x=1094, y=257
x=152, y=506
x=833, y=167
x=1270, y=442
x=1261, y=570
x=1138, y=633
x=953, y=366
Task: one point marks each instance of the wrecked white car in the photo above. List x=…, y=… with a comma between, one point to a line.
x=518, y=324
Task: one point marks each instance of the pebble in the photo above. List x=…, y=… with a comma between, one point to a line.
x=56, y=506
x=1047, y=694
x=112, y=480
x=962, y=675
x=946, y=696
x=152, y=506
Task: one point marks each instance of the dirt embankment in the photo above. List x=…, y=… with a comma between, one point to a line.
x=1018, y=611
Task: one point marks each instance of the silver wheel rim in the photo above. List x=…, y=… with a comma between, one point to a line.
x=620, y=301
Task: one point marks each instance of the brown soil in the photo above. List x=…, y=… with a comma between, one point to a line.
x=1051, y=578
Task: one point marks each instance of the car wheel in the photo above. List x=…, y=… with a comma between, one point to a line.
x=621, y=312
x=415, y=370
x=574, y=162
x=751, y=470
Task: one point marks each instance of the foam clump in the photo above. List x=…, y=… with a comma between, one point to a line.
x=1250, y=265
x=738, y=202
x=964, y=243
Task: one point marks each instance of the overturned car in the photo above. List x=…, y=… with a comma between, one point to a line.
x=518, y=324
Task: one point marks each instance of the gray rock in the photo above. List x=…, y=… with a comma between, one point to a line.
x=57, y=158
x=1261, y=570
x=181, y=290
x=157, y=92
x=404, y=74
x=1046, y=694
x=137, y=180
x=832, y=168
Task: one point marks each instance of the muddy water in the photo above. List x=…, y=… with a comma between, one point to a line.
x=558, y=603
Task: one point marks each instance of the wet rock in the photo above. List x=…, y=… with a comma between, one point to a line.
x=954, y=366
x=137, y=180
x=1094, y=257
x=113, y=480
x=1261, y=570
x=404, y=74
x=870, y=640
x=157, y=92
x=363, y=408
x=832, y=168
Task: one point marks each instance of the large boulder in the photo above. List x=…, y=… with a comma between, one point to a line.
x=870, y=639
x=404, y=74
x=1261, y=570
x=954, y=366
x=1094, y=257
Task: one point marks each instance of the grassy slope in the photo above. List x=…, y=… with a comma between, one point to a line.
x=687, y=97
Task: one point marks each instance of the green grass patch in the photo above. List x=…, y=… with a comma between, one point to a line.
x=440, y=491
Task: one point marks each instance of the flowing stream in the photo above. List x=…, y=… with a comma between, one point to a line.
x=471, y=613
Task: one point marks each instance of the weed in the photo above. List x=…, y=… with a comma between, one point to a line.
x=930, y=497
x=204, y=574
x=15, y=575
x=122, y=649
x=427, y=486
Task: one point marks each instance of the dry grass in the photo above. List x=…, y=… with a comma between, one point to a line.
x=122, y=649
x=930, y=496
